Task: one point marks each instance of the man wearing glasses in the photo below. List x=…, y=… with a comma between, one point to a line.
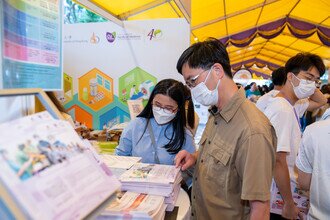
x=303, y=72
x=236, y=157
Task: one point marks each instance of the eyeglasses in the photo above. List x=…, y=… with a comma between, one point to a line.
x=310, y=78
x=166, y=110
x=192, y=81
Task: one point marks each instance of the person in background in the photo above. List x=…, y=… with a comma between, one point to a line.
x=260, y=90
x=265, y=89
x=314, y=167
x=278, y=79
x=159, y=132
x=252, y=91
x=236, y=157
x=253, y=94
x=325, y=89
x=301, y=106
x=302, y=71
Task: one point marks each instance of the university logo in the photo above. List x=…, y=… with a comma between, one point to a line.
x=94, y=39
x=111, y=36
x=155, y=34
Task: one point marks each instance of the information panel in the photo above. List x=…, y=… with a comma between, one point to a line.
x=31, y=44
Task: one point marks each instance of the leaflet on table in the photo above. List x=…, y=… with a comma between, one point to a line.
x=48, y=169
x=136, y=205
x=121, y=162
x=174, y=195
x=300, y=198
x=151, y=173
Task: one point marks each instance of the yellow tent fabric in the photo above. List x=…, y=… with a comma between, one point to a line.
x=262, y=51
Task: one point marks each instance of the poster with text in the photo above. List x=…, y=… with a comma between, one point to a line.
x=31, y=44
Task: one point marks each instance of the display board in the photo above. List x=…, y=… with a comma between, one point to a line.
x=31, y=32
x=105, y=65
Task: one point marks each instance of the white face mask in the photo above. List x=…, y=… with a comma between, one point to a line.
x=305, y=89
x=162, y=117
x=203, y=95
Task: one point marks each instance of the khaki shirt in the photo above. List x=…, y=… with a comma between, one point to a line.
x=235, y=163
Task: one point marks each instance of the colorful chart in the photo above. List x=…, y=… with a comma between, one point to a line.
x=32, y=44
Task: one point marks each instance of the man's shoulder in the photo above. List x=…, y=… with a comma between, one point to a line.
x=278, y=105
x=253, y=119
x=318, y=127
x=279, y=102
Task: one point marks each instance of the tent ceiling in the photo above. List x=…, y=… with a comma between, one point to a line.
x=229, y=19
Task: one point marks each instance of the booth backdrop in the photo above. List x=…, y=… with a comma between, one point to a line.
x=105, y=65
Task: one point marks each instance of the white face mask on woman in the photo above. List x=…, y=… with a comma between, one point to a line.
x=162, y=117
x=203, y=95
x=305, y=88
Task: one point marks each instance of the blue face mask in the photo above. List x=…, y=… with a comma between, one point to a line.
x=203, y=95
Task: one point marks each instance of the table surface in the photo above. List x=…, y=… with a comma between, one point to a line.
x=183, y=203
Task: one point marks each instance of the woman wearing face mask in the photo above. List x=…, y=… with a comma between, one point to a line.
x=159, y=131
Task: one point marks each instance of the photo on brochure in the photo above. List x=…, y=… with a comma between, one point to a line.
x=31, y=153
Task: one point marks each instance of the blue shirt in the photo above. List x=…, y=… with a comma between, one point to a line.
x=129, y=145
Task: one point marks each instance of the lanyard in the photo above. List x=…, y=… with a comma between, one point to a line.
x=152, y=136
x=298, y=120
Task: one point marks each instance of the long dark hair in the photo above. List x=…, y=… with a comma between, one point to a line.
x=176, y=91
x=190, y=111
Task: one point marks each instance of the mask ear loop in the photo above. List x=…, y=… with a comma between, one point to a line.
x=296, y=77
x=292, y=82
x=217, y=84
x=208, y=74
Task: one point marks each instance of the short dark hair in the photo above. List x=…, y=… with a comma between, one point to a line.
x=304, y=61
x=204, y=55
x=325, y=89
x=175, y=90
x=279, y=76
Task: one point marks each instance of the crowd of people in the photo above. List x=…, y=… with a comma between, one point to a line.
x=260, y=95
x=247, y=159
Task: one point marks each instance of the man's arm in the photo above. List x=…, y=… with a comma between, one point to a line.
x=185, y=159
x=316, y=100
x=304, y=180
x=260, y=210
x=282, y=179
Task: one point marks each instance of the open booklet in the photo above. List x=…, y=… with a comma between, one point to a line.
x=135, y=206
x=49, y=170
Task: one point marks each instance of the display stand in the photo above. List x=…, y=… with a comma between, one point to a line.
x=40, y=94
x=7, y=200
x=10, y=208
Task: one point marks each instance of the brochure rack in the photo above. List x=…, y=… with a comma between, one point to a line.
x=7, y=203
x=10, y=207
x=39, y=93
